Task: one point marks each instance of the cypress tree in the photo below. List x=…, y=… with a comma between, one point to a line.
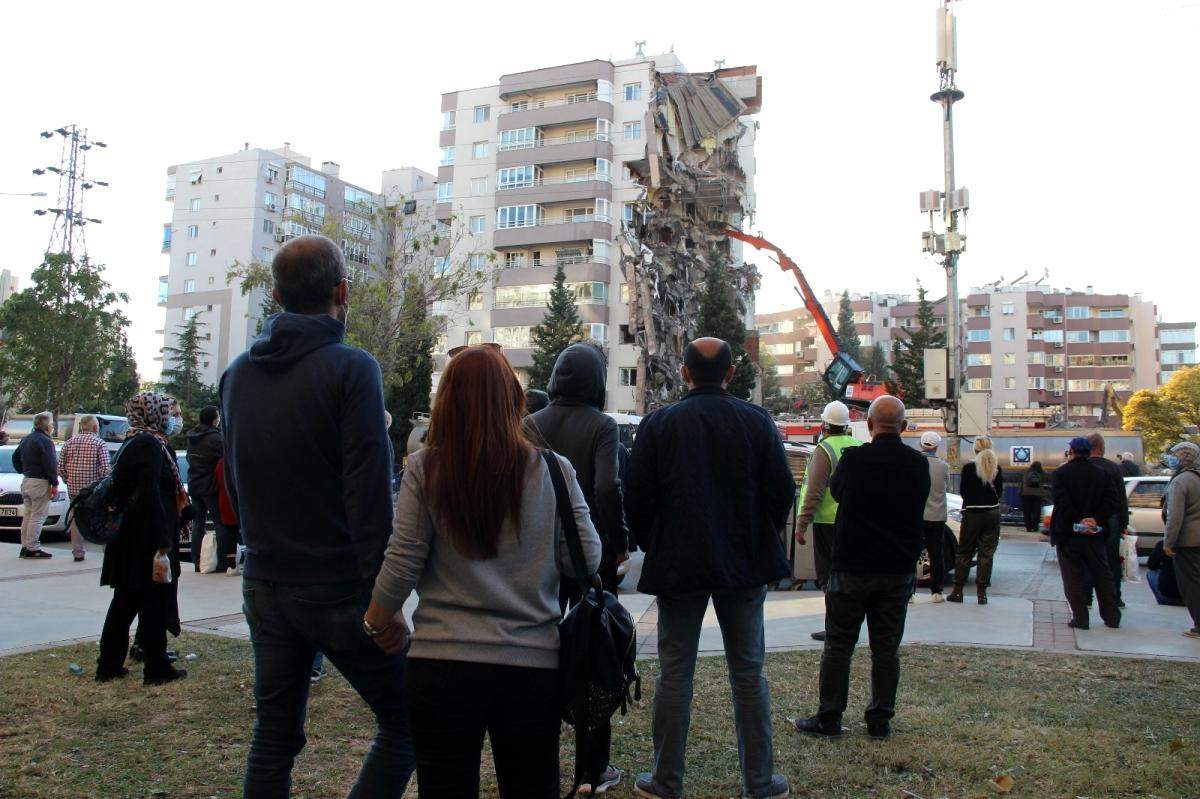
x=560, y=328
x=908, y=352
x=847, y=332
x=721, y=318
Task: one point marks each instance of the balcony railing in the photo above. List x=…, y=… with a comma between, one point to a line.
x=529, y=184
x=558, y=220
x=552, y=141
x=565, y=261
x=534, y=105
x=539, y=302
x=293, y=185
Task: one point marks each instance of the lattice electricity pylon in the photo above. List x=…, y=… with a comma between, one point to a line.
x=67, y=235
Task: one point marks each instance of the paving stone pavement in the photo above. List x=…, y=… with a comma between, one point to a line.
x=51, y=602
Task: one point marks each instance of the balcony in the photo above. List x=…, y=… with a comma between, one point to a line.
x=555, y=229
x=541, y=190
x=584, y=74
x=578, y=269
x=520, y=316
x=556, y=150
x=304, y=188
x=554, y=113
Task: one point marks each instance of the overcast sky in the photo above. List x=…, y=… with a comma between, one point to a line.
x=1078, y=137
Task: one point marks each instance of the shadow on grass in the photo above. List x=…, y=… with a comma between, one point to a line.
x=1064, y=726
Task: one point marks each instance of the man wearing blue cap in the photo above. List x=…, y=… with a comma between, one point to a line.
x=1083, y=494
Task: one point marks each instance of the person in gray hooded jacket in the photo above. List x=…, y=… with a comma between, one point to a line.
x=1181, y=542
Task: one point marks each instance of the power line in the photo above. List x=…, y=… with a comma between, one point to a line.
x=67, y=235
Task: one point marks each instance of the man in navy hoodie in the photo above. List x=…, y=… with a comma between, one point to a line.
x=309, y=471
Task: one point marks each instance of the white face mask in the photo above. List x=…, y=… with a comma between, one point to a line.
x=174, y=425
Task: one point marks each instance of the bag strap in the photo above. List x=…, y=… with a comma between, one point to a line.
x=566, y=515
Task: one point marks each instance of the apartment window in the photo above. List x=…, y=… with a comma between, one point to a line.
x=441, y=265
x=477, y=260
x=475, y=301
x=633, y=91
x=1053, y=336
x=519, y=139
x=603, y=129
x=193, y=231
x=1010, y=382
x=189, y=286
x=272, y=174
x=1056, y=360
x=447, y=120
x=265, y=255
x=1008, y=358
x=479, y=149
x=516, y=216
x=447, y=156
x=603, y=169
x=519, y=105
x=1112, y=313
x=1008, y=308
x=1055, y=384
x=1187, y=336
x=512, y=337
x=474, y=337
x=1035, y=383
x=1035, y=357
x=981, y=310
x=191, y=259
x=625, y=335
x=979, y=359
x=268, y=226
x=441, y=343
x=580, y=97
x=478, y=186
x=445, y=192
x=978, y=335
x=596, y=332
x=1114, y=336
x=628, y=375
x=627, y=211
x=633, y=130
x=625, y=293
x=1078, y=336
x=196, y=177
x=216, y=198
x=189, y=314
x=269, y=200
x=626, y=174
x=785, y=369
x=194, y=205
x=603, y=209
x=979, y=384
x=478, y=224
x=1079, y=312
x=782, y=348
x=483, y=113
x=516, y=177
x=513, y=260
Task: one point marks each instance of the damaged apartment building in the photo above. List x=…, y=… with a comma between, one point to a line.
x=697, y=177
x=617, y=171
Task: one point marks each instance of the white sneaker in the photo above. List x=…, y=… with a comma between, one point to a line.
x=936, y=598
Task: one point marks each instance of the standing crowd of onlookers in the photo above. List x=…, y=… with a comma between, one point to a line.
x=297, y=460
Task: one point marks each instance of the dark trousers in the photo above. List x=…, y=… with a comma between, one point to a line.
x=822, y=551
x=1083, y=562
x=1187, y=575
x=935, y=535
x=569, y=593
x=978, y=534
x=453, y=704
x=205, y=507
x=148, y=604
x=1112, y=553
x=881, y=599
x=289, y=624
x=1031, y=508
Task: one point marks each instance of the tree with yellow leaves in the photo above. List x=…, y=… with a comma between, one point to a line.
x=1165, y=415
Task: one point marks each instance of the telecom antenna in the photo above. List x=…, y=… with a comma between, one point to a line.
x=640, y=47
x=67, y=235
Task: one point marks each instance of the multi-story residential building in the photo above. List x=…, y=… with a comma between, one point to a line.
x=8, y=285
x=533, y=168
x=1176, y=347
x=792, y=339
x=241, y=207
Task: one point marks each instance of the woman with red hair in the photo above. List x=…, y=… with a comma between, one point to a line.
x=477, y=536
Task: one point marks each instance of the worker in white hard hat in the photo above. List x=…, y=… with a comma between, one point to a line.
x=817, y=507
x=935, y=512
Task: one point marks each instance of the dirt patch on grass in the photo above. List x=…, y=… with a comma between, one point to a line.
x=1059, y=726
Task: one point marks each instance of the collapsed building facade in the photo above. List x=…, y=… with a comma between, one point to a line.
x=697, y=176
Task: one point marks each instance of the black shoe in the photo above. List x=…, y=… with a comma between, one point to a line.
x=1121, y=603
x=163, y=677
x=1079, y=625
x=136, y=654
x=819, y=635
x=814, y=726
x=79, y=558
x=105, y=675
x=879, y=731
x=34, y=554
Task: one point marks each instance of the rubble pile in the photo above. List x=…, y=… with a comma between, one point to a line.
x=694, y=184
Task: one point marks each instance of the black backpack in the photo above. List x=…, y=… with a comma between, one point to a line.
x=94, y=510
x=597, y=645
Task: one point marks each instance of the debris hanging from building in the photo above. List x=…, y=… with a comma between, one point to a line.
x=698, y=177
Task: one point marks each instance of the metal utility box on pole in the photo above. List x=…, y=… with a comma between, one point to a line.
x=935, y=373
x=948, y=243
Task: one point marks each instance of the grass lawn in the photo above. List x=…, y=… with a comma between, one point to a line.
x=1059, y=726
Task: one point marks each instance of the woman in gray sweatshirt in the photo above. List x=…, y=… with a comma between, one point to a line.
x=476, y=535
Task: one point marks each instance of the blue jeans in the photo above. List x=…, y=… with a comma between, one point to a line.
x=740, y=614
x=289, y=624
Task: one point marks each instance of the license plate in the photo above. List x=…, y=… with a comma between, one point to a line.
x=8, y=511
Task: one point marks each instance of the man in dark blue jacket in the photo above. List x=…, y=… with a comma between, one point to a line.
x=881, y=489
x=35, y=458
x=709, y=493
x=307, y=466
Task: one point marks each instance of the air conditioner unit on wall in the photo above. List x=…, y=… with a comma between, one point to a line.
x=1058, y=393
x=1058, y=345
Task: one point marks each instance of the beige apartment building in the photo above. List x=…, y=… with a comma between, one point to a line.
x=1176, y=347
x=241, y=207
x=533, y=169
x=792, y=339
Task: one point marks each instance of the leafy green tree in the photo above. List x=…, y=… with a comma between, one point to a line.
x=123, y=379
x=812, y=397
x=847, y=330
x=59, y=336
x=560, y=328
x=181, y=377
x=908, y=353
x=720, y=318
x=408, y=382
x=876, y=364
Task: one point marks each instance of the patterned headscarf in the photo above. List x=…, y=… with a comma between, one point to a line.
x=150, y=412
x=1188, y=454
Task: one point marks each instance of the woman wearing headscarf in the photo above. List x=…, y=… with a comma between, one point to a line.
x=982, y=486
x=146, y=486
x=1181, y=542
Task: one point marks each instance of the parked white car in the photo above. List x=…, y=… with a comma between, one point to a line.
x=12, y=506
x=1145, y=494
x=949, y=545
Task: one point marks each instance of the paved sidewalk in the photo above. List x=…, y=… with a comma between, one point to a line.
x=57, y=601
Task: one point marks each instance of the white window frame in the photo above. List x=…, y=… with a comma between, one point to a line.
x=516, y=177
x=448, y=120
x=190, y=258
x=514, y=216
x=448, y=156
x=189, y=286
x=632, y=92
x=193, y=231
x=632, y=131
x=479, y=150
x=520, y=139
x=480, y=118
x=478, y=186
x=194, y=204
x=479, y=223
x=445, y=191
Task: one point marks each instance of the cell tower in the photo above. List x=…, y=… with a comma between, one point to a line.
x=67, y=236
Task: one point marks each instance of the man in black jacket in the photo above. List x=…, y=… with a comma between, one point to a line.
x=881, y=488
x=1086, y=498
x=709, y=492
x=307, y=468
x=37, y=461
x=576, y=427
x=204, y=448
x=1115, y=526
